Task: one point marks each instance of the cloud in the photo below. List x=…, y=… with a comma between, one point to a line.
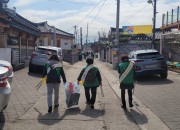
x=20, y=3
x=137, y=12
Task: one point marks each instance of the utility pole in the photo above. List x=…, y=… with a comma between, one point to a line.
x=87, y=35
x=81, y=38
x=117, y=32
x=117, y=23
x=153, y=2
x=154, y=23
x=75, y=34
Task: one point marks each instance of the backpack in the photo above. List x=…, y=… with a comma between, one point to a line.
x=53, y=76
x=90, y=77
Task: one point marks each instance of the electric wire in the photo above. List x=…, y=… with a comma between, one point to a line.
x=98, y=12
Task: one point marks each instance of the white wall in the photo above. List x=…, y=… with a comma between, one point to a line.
x=66, y=44
x=5, y=54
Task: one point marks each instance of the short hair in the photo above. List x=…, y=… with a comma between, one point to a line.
x=89, y=61
x=54, y=57
x=125, y=58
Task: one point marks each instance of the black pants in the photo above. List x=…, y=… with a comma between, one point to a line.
x=90, y=99
x=123, y=91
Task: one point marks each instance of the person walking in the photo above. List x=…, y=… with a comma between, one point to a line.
x=54, y=71
x=91, y=78
x=127, y=78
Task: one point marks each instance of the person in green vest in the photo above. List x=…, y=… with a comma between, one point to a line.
x=53, y=70
x=92, y=80
x=128, y=82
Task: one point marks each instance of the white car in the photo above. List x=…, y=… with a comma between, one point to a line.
x=8, y=65
x=5, y=88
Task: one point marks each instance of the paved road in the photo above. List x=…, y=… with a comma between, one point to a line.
x=28, y=107
x=160, y=96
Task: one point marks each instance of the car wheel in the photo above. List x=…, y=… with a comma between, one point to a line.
x=164, y=76
x=30, y=69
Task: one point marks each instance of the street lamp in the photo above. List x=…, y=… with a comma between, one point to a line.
x=153, y=2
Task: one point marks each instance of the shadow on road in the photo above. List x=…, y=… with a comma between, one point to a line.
x=54, y=117
x=93, y=113
x=48, y=118
x=2, y=120
x=140, y=117
x=38, y=75
x=153, y=80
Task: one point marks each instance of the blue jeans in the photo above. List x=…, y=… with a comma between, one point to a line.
x=50, y=88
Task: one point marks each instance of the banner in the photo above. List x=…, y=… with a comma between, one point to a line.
x=137, y=29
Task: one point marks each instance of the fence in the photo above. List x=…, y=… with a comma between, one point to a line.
x=171, y=17
x=170, y=47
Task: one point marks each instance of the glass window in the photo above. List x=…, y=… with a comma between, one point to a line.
x=148, y=55
x=45, y=51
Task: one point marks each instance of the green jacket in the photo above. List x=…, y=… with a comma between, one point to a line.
x=129, y=79
x=96, y=81
x=55, y=75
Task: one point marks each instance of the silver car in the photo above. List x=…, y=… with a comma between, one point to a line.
x=149, y=62
x=5, y=88
x=8, y=65
x=41, y=55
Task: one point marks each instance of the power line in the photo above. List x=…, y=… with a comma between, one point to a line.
x=98, y=11
x=88, y=13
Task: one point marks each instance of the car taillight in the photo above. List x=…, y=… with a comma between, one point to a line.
x=33, y=54
x=3, y=82
x=10, y=69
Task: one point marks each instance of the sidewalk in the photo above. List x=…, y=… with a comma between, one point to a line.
x=107, y=115
x=144, y=118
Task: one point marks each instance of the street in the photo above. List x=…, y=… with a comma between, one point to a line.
x=161, y=97
x=156, y=104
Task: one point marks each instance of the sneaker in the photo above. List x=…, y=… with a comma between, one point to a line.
x=56, y=105
x=124, y=107
x=50, y=109
x=92, y=106
x=131, y=105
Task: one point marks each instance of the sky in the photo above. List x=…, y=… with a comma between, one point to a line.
x=99, y=15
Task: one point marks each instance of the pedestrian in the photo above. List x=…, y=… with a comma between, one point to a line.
x=91, y=80
x=127, y=78
x=54, y=71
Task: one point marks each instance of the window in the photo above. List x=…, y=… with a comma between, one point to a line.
x=148, y=55
x=45, y=51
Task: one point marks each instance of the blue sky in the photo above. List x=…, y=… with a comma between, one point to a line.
x=99, y=14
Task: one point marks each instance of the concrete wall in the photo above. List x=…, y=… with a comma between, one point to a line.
x=5, y=54
x=70, y=57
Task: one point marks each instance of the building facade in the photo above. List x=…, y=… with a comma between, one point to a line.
x=51, y=36
x=17, y=33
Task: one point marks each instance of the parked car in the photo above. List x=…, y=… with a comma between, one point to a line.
x=41, y=55
x=5, y=88
x=148, y=62
x=8, y=65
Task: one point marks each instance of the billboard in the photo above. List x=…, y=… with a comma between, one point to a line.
x=137, y=29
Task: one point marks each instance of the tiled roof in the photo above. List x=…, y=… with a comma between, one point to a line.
x=45, y=28
x=19, y=22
